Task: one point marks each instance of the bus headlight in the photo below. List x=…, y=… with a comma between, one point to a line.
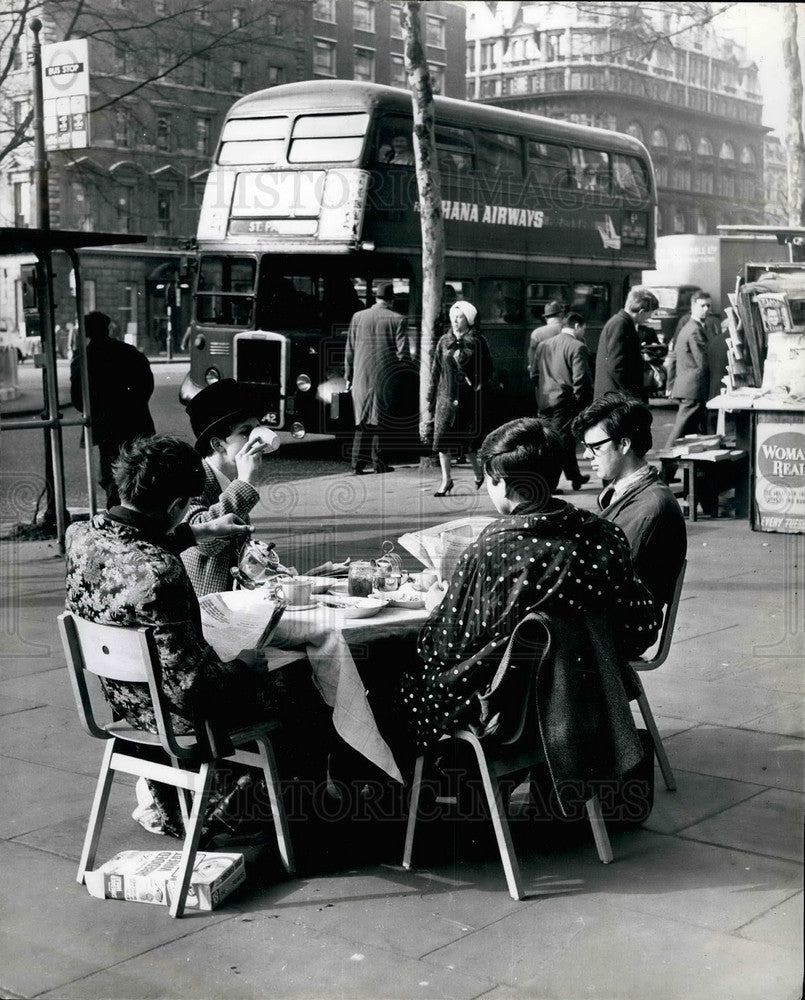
x=212, y=375
x=200, y=342
x=303, y=383
x=298, y=431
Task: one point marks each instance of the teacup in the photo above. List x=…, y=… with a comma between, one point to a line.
x=295, y=591
x=269, y=440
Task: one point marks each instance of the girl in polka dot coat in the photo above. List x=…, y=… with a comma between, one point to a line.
x=542, y=555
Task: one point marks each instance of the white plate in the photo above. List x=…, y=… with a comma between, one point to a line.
x=300, y=607
x=413, y=605
x=338, y=589
x=355, y=607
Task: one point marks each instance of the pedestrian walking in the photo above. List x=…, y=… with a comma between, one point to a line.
x=120, y=384
x=459, y=395
x=377, y=346
x=692, y=378
x=564, y=388
x=618, y=362
x=553, y=315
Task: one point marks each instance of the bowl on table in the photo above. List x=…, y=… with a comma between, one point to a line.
x=353, y=607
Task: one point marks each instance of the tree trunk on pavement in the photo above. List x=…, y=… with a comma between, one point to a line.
x=430, y=199
x=795, y=143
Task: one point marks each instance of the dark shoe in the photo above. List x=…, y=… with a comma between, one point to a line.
x=558, y=493
x=360, y=471
x=446, y=491
x=578, y=483
x=380, y=469
x=479, y=483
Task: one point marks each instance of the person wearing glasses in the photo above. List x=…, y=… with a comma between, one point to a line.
x=541, y=555
x=615, y=431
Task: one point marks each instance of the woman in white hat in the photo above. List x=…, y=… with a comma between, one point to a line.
x=460, y=376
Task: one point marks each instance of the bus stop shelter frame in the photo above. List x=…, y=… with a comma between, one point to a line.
x=42, y=244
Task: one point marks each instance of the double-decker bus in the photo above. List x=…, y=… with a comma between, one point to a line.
x=312, y=197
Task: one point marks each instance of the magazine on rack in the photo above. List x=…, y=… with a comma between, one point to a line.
x=230, y=629
x=440, y=547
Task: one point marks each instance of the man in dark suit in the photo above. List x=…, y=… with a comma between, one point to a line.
x=618, y=363
x=564, y=388
x=552, y=314
x=377, y=349
x=692, y=379
x=120, y=384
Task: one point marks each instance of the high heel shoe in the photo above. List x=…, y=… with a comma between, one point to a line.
x=479, y=483
x=446, y=491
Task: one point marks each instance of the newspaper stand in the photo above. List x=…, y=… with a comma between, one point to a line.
x=42, y=243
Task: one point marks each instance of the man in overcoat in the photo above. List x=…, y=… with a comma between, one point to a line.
x=377, y=346
x=120, y=384
x=552, y=314
x=618, y=362
x=692, y=379
x=564, y=388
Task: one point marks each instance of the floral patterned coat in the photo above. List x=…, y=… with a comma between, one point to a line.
x=120, y=571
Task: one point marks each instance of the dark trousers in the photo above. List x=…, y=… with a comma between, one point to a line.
x=361, y=453
x=691, y=417
x=560, y=418
x=108, y=452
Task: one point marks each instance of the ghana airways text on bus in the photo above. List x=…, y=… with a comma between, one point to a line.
x=312, y=196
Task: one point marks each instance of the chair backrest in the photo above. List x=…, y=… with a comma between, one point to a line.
x=667, y=630
x=116, y=653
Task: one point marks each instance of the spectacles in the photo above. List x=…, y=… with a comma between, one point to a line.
x=593, y=446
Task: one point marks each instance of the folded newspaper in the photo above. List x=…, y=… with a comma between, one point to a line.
x=440, y=547
x=230, y=629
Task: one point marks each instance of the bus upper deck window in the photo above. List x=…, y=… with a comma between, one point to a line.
x=630, y=177
x=499, y=153
x=591, y=170
x=336, y=138
x=246, y=141
x=549, y=165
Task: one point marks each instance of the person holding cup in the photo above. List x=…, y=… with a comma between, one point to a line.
x=225, y=417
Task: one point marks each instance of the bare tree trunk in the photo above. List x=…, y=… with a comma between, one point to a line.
x=795, y=143
x=430, y=199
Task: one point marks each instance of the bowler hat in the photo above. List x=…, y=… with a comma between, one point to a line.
x=385, y=291
x=553, y=308
x=217, y=404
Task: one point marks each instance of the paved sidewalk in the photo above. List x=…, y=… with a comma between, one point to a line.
x=704, y=901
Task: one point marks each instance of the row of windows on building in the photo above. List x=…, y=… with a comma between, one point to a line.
x=363, y=19
x=128, y=133
x=364, y=65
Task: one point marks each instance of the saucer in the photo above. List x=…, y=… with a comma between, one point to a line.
x=301, y=607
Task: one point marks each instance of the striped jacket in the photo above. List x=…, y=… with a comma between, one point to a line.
x=208, y=565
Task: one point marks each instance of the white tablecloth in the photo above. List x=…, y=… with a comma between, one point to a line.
x=325, y=634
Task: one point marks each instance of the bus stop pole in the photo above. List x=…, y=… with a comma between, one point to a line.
x=84, y=372
x=45, y=294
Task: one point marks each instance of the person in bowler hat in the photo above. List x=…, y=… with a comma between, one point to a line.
x=553, y=314
x=223, y=416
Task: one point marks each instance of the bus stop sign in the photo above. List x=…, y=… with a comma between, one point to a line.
x=65, y=89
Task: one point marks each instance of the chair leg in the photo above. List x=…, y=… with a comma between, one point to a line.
x=413, y=810
x=499, y=821
x=599, y=830
x=269, y=763
x=185, y=870
x=185, y=801
x=105, y=778
x=659, y=749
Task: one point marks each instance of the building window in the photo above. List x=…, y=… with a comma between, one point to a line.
x=396, y=24
x=22, y=203
x=273, y=24
x=363, y=15
x=748, y=158
x=364, y=65
x=659, y=140
x=437, y=78
x=679, y=222
x=471, y=57
x=680, y=176
x=202, y=67
x=237, y=17
x=123, y=205
x=324, y=58
x=434, y=31
x=682, y=145
x=21, y=109
x=276, y=75
x=122, y=126
x=635, y=129
x=324, y=10
x=160, y=6
x=703, y=181
x=705, y=147
x=203, y=14
x=165, y=208
x=727, y=152
x=238, y=75
x=164, y=61
x=203, y=133
x=164, y=131
x=487, y=55
x=123, y=58
x=399, y=77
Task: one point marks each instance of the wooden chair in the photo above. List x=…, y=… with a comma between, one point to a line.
x=651, y=663
x=492, y=770
x=130, y=654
